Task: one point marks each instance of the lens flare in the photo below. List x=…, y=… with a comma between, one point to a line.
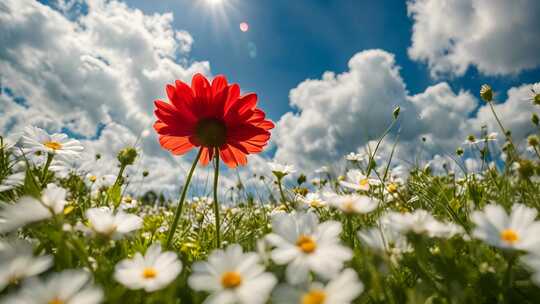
x=244, y=27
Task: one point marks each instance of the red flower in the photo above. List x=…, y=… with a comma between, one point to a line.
x=211, y=116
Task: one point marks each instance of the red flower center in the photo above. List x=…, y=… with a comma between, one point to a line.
x=211, y=132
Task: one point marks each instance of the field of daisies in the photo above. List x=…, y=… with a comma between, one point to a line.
x=370, y=233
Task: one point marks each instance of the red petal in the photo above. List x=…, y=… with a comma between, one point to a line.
x=218, y=84
x=232, y=156
x=177, y=145
x=234, y=93
x=206, y=156
x=201, y=87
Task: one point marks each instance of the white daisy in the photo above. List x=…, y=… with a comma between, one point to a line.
x=28, y=209
x=353, y=203
x=12, y=181
x=313, y=200
x=232, y=276
x=421, y=222
x=17, y=262
x=356, y=157
x=534, y=96
x=304, y=244
x=66, y=287
x=281, y=170
x=154, y=271
x=342, y=290
x=519, y=230
x=358, y=181
x=105, y=223
x=533, y=262
x=385, y=240
x=36, y=139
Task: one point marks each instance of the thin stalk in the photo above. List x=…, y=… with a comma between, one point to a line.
x=172, y=229
x=216, y=207
x=282, y=194
x=509, y=278
x=119, y=176
x=50, y=157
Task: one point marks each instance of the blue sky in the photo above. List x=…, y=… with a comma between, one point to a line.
x=301, y=39
x=92, y=69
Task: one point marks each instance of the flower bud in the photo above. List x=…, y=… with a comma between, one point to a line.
x=127, y=156
x=533, y=140
x=535, y=120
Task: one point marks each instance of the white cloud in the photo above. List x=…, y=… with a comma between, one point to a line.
x=341, y=113
x=109, y=63
x=498, y=37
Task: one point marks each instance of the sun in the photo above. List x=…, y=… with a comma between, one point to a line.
x=215, y=2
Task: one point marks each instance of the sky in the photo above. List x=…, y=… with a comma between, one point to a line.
x=328, y=73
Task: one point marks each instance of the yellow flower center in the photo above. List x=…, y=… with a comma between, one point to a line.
x=306, y=244
x=348, y=207
x=509, y=236
x=54, y=145
x=315, y=203
x=149, y=273
x=536, y=99
x=364, y=182
x=56, y=301
x=92, y=178
x=231, y=279
x=392, y=187
x=314, y=297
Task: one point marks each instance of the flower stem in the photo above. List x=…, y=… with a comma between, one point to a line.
x=216, y=207
x=172, y=229
x=506, y=135
x=509, y=278
x=282, y=194
x=50, y=157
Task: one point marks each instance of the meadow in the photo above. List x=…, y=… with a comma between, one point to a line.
x=370, y=233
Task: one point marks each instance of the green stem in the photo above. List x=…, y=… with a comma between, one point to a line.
x=172, y=229
x=501, y=125
x=216, y=207
x=50, y=157
x=509, y=278
x=283, y=199
x=119, y=177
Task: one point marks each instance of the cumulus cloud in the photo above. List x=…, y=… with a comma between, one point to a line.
x=341, y=113
x=109, y=63
x=498, y=37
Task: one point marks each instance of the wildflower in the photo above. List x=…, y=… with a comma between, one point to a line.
x=486, y=93
x=533, y=140
x=304, y=244
x=519, y=230
x=232, y=276
x=153, y=271
x=280, y=170
x=12, y=181
x=28, y=209
x=358, y=181
x=127, y=156
x=421, y=222
x=37, y=140
x=313, y=200
x=66, y=287
x=532, y=260
x=18, y=262
x=534, y=96
x=353, y=203
x=355, y=157
x=104, y=222
x=343, y=289
x=212, y=116
x=385, y=239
